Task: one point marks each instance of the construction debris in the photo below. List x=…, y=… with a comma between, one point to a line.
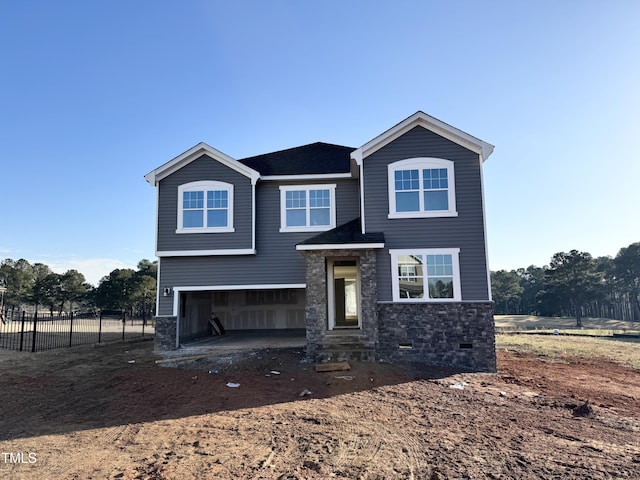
x=332, y=367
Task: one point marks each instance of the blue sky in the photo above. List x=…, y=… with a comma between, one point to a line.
x=94, y=95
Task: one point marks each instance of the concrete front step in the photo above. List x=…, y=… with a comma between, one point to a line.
x=335, y=355
x=344, y=345
x=347, y=351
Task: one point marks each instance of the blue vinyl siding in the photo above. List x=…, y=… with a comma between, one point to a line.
x=276, y=262
x=466, y=231
x=204, y=168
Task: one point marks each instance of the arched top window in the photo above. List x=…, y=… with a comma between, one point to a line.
x=422, y=187
x=205, y=207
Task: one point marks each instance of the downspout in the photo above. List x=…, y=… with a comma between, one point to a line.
x=254, y=181
x=156, y=252
x=484, y=226
x=357, y=157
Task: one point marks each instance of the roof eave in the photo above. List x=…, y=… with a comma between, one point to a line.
x=340, y=246
x=194, y=153
x=419, y=118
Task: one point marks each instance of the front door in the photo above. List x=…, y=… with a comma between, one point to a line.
x=343, y=282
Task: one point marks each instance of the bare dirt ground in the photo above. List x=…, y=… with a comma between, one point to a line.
x=88, y=413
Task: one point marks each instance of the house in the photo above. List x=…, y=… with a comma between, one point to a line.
x=377, y=252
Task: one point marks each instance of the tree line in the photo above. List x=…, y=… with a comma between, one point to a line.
x=35, y=287
x=573, y=284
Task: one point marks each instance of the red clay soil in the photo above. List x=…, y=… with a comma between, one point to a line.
x=112, y=412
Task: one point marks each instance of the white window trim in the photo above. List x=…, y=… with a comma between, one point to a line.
x=205, y=186
x=307, y=228
x=455, y=256
x=422, y=163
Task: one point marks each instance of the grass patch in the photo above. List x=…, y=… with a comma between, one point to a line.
x=582, y=332
x=618, y=350
x=530, y=322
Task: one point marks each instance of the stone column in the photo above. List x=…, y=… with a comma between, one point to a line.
x=316, y=307
x=165, y=335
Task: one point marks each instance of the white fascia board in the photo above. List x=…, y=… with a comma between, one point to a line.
x=340, y=246
x=194, y=153
x=205, y=253
x=319, y=176
x=263, y=286
x=419, y=118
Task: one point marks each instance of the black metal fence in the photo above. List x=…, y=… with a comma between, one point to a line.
x=31, y=333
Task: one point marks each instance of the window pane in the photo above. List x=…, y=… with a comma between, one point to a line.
x=440, y=287
x=296, y=199
x=192, y=218
x=436, y=200
x=410, y=263
x=217, y=218
x=410, y=276
x=296, y=218
x=435, y=178
x=320, y=216
x=193, y=199
x=407, y=180
x=217, y=199
x=411, y=287
x=319, y=198
x=440, y=260
x=407, y=201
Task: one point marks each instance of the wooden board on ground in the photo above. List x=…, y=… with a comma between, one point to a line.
x=183, y=359
x=333, y=367
x=216, y=326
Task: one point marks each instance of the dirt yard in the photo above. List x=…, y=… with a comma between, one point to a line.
x=112, y=412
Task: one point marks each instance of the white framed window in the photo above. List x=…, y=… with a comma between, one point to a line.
x=421, y=187
x=205, y=207
x=425, y=275
x=307, y=208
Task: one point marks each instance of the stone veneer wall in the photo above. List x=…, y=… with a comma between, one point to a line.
x=316, y=307
x=456, y=334
x=165, y=334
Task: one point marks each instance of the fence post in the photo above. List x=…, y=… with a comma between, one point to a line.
x=22, y=330
x=71, y=330
x=124, y=322
x=35, y=329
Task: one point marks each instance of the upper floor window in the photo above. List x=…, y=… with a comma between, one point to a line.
x=205, y=207
x=423, y=275
x=307, y=208
x=421, y=187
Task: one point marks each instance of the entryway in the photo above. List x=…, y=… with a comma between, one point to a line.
x=343, y=282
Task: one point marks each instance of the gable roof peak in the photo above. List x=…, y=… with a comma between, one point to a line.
x=194, y=153
x=430, y=123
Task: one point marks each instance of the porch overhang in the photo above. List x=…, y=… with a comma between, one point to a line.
x=340, y=246
x=346, y=236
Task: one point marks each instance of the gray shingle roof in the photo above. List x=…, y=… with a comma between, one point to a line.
x=315, y=158
x=347, y=233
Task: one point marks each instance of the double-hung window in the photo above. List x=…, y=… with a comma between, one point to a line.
x=205, y=207
x=421, y=187
x=425, y=275
x=307, y=208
